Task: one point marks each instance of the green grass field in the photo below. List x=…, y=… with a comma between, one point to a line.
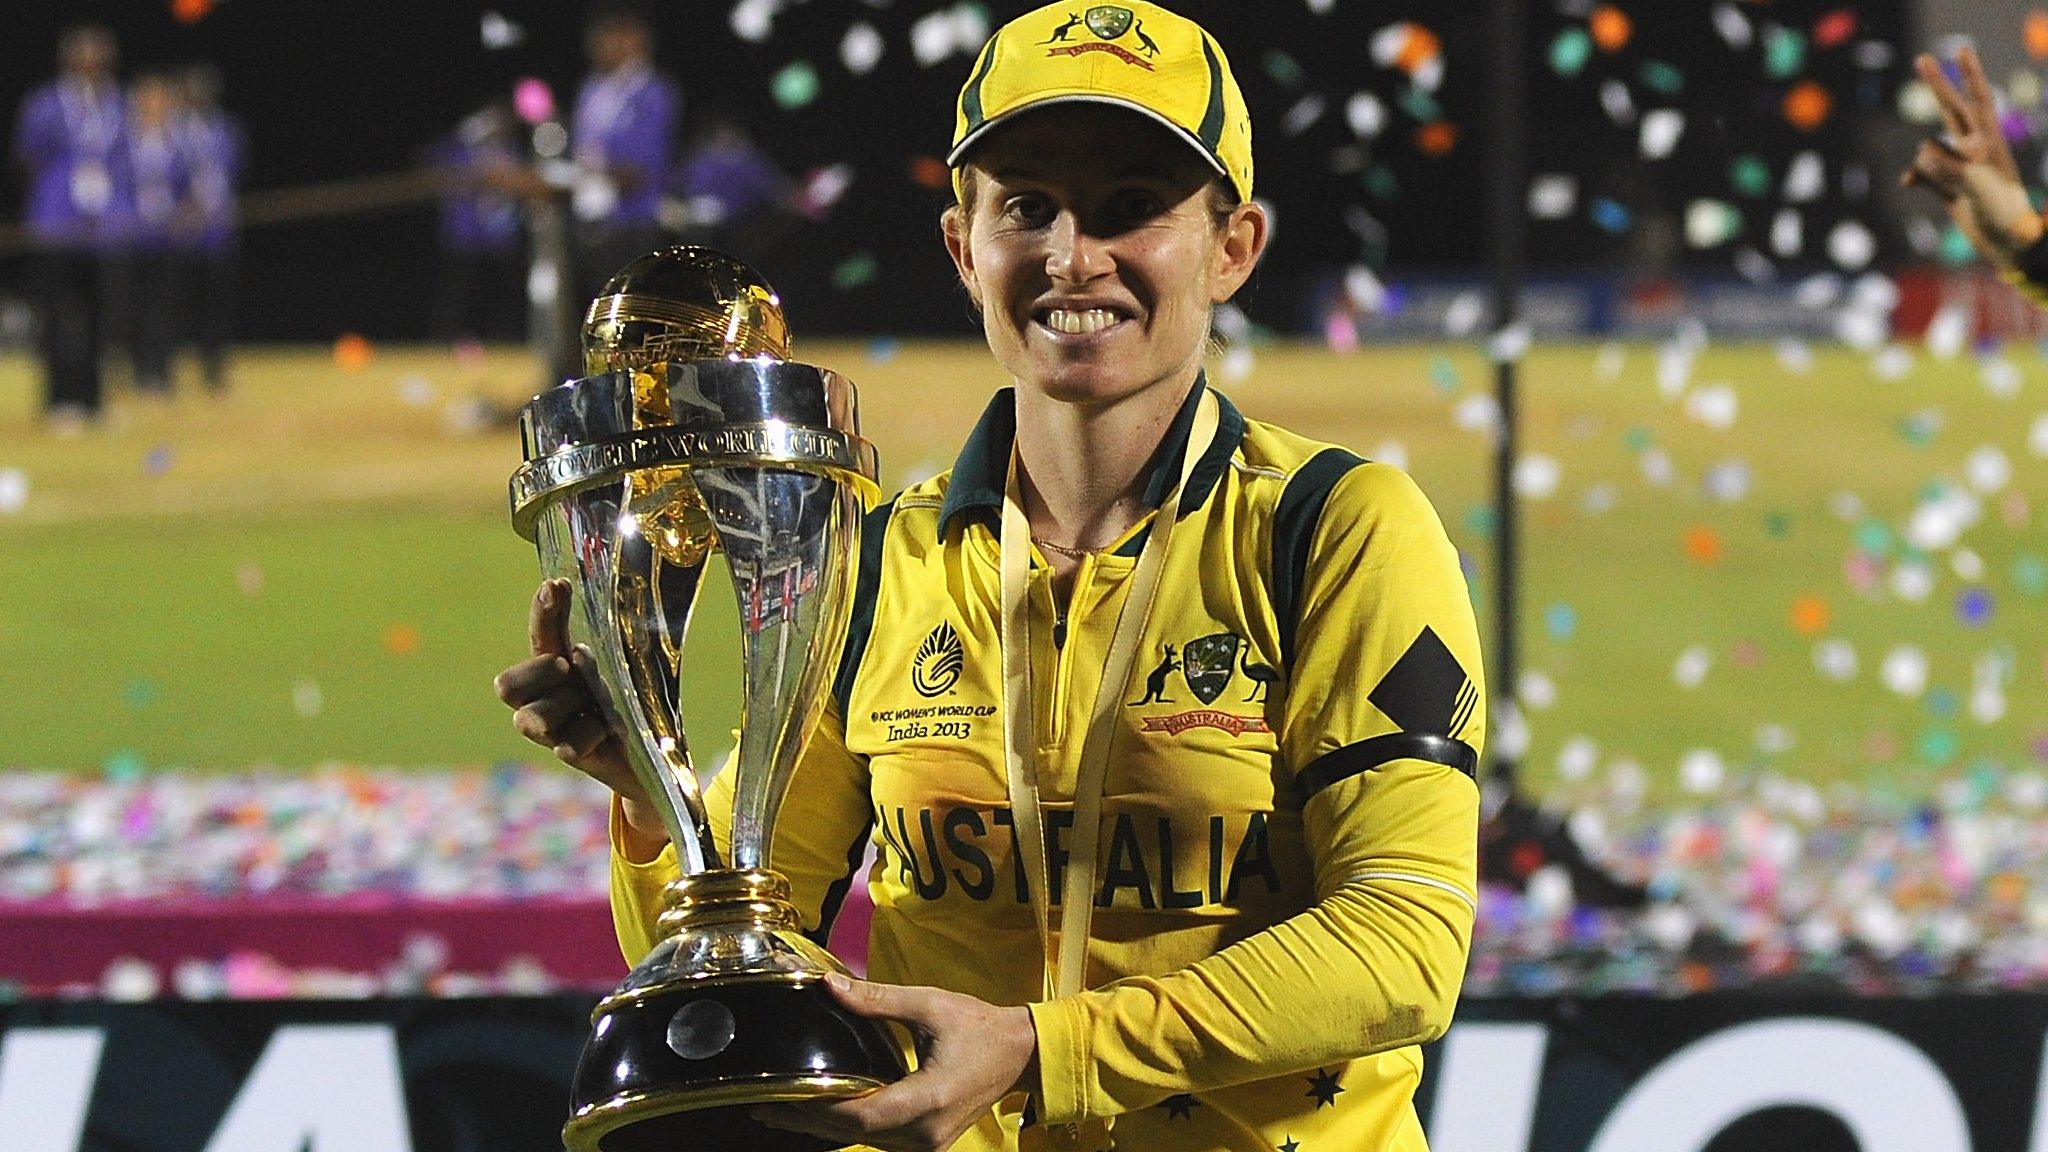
x=321, y=568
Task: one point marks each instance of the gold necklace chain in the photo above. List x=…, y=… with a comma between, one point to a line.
x=1076, y=553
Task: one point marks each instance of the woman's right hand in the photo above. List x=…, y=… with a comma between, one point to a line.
x=553, y=707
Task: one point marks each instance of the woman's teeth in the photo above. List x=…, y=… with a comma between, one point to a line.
x=1079, y=323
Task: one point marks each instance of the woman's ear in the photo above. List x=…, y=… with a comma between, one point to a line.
x=954, y=224
x=1238, y=250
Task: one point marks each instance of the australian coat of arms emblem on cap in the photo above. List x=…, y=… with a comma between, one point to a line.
x=1109, y=21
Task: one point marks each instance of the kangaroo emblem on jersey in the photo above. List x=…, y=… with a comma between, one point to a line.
x=1155, y=684
x=939, y=659
x=1206, y=664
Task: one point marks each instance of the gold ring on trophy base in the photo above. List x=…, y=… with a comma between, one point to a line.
x=587, y=1129
x=770, y=444
x=620, y=998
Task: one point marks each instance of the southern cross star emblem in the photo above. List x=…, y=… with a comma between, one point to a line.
x=1292, y=1145
x=1179, y=1106
x=1323, y=1087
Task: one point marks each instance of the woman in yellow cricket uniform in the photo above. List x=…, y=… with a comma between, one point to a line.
x=1163, y=721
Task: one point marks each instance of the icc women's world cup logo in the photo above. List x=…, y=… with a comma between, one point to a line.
x=936, y=668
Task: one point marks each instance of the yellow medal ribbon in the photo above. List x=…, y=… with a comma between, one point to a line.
x=1065, y=967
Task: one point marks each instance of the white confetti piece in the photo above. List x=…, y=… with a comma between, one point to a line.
x=1788, y=233
x=1949, y=332
x=1511, y=343
x=1658, y=471
x=307, y=699
x=2037, y=435
x=1733, y=26
x=1805, y=178
x=1366, y=115
x=1536, y=477
x=1892, y=362
x=861, y=48
x=1577, y=759
x=1905, y=670
x=1727, y=482
x=1553, y=196
x=2000, y=377
x=1391, y=452
x=1851, y=246
x=1966, y=564
x=1462, y=318
x=1536, y=690
x=1795, y=356
x=1692, y=666
x=13, y=490
x=1988, y=469
x=754, y=20
x=1835, y=659
x=1661, y=129
x=1818, y=291
x=1616, y=101
x=1479, y=412
x=1364, y=290
x=1709, y=223
x=1713, y=405
x=1702, y=771
x=1613, y=357
x=1912, y=582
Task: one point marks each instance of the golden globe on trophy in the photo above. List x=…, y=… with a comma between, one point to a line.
x=694, y=434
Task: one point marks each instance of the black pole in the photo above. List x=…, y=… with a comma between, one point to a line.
x=1507, y=180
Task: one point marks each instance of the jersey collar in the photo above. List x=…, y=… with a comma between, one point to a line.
x=976, y=484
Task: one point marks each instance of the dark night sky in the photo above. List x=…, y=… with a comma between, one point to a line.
x=334, y=90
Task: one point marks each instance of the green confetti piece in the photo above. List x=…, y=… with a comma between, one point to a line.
x=1421, y=105
x=1284, y=69
x=1956, y=249
x=1481, y=521
x=123, y=766
x=1777, y=525
x=1874, y=536
x=1570, y=51
x=795, y=85
x=856, y=271
x=1662, y=78
x=1784, y=53
x=1444, y=375
x=1749, y=175
x=1638, y=439
x=1937, y=746
x=1380, y=181
x=2030, y=574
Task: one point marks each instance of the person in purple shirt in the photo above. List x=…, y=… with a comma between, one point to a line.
x=726, y=193
x=481, y=258
x=68, y=138
x=152, y=207
x=622, y=138
x=213, y=146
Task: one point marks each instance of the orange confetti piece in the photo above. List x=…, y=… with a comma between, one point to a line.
x=191, y=11
x=401, y=639
x=1611, y=28
x=1809, y=615
x=1436, y=139
x=1807, y=105
x=2035, y=34
x=352, y=353
x=1418, y=48
x=1834, y=28
x=1703, y=544
x=930, y=172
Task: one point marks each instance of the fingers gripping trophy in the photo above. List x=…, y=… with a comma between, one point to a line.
x=695, y=434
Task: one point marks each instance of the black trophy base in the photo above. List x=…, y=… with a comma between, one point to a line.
x=679, y=1070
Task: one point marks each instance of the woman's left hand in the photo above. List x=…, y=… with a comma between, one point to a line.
x=970, y=1055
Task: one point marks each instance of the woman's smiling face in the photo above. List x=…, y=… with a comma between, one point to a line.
x=1094, y=246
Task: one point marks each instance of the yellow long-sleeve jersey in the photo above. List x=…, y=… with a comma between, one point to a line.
x=1285, y=888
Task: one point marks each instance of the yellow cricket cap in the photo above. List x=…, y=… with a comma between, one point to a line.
x=1134, y=55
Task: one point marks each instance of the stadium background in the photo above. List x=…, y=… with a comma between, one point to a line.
x=1783, y=578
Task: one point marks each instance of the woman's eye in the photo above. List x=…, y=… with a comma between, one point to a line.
x=1137, y=204
x=1027, y=209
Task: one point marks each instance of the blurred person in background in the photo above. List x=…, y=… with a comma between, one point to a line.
x=622, y=139
x=214, y=148
x=1970, y=166
x=726, y=193
x=482, y=262
x=68, y=136
x=152, y=207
